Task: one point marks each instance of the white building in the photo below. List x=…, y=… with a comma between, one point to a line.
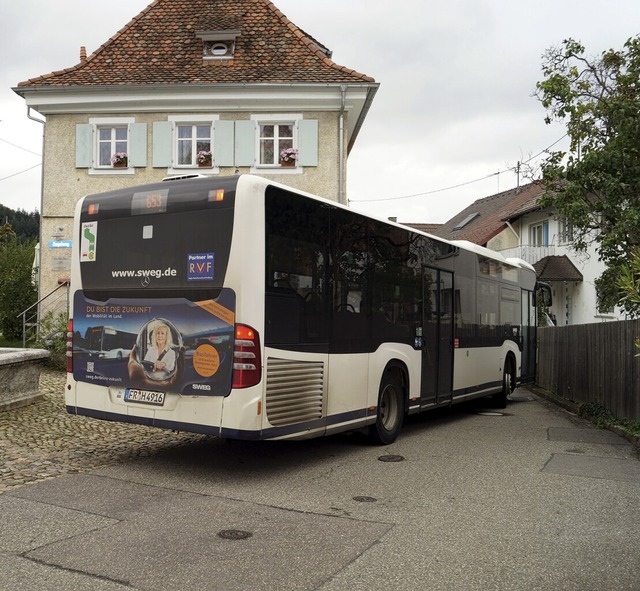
x=514, y=224
x=235, y=79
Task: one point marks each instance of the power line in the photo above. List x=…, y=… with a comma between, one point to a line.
x=430, y=192
x=22, y=171
x=20, y=147
x=460, y=184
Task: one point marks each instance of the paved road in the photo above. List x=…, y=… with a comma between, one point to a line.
x=530, y=499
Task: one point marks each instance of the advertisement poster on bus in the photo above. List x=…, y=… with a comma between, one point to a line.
x=170, y=344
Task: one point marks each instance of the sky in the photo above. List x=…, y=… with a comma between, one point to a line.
x=454, y=114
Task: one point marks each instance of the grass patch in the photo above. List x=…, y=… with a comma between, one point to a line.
x=602, y=418
x=10, y=344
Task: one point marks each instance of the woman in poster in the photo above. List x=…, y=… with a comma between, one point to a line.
x=161, y=353
x=156, y=359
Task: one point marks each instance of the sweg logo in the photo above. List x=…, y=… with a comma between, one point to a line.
x=201, y=387
x=146, y=273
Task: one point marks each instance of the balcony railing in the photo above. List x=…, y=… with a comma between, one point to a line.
x=530, y=254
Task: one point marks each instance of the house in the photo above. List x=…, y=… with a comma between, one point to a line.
x=233, y=81
x=514, y=224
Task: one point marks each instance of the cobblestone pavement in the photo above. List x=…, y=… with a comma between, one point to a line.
x=42, y=440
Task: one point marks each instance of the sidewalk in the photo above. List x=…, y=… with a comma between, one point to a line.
x=42, y=440
x=531, y=497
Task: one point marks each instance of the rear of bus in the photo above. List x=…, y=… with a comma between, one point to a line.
x=150, y=266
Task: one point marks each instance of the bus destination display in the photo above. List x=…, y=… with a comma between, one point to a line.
x=149, y=202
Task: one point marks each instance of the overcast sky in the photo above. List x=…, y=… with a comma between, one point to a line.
x=454, y=105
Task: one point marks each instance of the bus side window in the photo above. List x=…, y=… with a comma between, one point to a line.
x=284, y=312
x=295, y=277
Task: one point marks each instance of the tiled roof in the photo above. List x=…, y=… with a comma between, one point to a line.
x=160, y=46
x=557, y=268
x=428, y=228
x=492, y=214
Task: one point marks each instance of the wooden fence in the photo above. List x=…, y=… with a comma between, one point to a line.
x=593, y=363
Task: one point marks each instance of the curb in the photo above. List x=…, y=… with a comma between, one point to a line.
x=574, y=408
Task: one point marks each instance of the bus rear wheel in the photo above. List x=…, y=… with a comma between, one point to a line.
x=508, y=383
x=390, y=411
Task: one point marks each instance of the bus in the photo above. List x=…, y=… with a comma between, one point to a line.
x=261, y=312
x=106, y=342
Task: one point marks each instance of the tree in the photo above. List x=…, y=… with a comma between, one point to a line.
x=25, y=225
x=17, y=290
x=596, y=184
x=6, y=233
x=629, y=283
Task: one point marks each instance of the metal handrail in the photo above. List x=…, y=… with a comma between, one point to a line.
x=24, y=312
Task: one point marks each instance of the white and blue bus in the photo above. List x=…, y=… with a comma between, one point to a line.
x=259, y=312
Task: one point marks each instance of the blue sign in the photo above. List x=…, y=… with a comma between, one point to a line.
x=60, y=243
x=200, y=266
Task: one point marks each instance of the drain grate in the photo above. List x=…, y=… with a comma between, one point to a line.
x=234, y=534
x=391, y=458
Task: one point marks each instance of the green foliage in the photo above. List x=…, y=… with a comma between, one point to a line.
x=52, y=335
x=6, y=233
x=25, y=225
x=596, y=184
x=603, y=418
x=629, y=285
x=17, y=290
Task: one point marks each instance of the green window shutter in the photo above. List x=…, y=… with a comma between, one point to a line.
x=84, y=145
x=223, y=134
x=245, y=143
x=162, y=144
x=138, y=144
x=308, y=142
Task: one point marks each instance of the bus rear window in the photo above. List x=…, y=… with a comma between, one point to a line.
x=187, y=249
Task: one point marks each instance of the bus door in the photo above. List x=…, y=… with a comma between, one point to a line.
x=528, y=337
x=437, y=350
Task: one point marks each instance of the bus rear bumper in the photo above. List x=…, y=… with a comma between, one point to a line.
x=148, y=421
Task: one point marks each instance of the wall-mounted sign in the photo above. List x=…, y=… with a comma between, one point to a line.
x=60, y=243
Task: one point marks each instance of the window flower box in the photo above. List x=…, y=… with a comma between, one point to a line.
x=204, y=158
x=120, y=160
x=288, y=157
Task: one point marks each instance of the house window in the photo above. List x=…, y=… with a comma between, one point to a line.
x=274, y=138
x=191, y=140
x=566, y=231
x=465, y=221
x=111, y=140
x=260, y=140
x=539, y=234
x=603, y=310
x=102, y=138
x=218, y=44
x=218, y=49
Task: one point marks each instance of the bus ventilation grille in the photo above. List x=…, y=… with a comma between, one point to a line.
x=294, y=391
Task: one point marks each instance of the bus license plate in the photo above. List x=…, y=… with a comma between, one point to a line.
x=144, y=396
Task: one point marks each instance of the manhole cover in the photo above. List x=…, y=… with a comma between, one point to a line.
x=391, y=458
x=363, y=499
x=234, y=534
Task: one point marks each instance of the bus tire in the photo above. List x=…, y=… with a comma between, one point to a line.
x=390, y=413
x=508, y=383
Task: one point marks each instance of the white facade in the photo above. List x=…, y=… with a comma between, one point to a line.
x=540, y=234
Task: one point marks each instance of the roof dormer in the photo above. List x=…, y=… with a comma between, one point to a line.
x=218, y=45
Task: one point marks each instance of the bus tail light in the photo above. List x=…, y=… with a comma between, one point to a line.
x=70, y=346
x=247, y=363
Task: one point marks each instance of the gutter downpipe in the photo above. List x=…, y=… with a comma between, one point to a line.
x=30, y=116
x=343, y=97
